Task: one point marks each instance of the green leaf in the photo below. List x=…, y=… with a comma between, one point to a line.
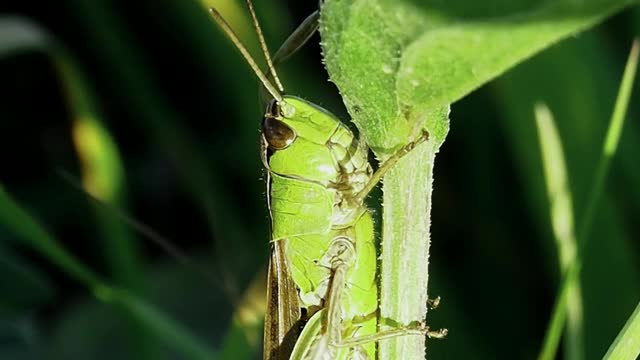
x=395, y=61
x=364, y=44
x=627, y=343
x=398, y=66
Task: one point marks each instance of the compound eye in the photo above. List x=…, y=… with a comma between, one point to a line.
x=273, y=108
x=278, y=134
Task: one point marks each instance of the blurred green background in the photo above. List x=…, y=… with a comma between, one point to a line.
x=182, y=110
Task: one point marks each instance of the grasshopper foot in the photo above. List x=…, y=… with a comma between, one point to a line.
x=433, y=303
x=437, y=334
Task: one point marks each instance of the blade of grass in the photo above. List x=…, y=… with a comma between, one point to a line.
x=627, y=343
x=558, y=317
x=20, y=223
x=562, y=219
x=612, y=138
x=23, y=285
x=27, y=229
x=244, y=336
x=164, y=125
x=143, y=230
x=19, y=35
x=98, y=155
x=103, y=176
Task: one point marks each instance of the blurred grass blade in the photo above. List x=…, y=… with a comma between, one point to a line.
x=99, y=156
x=103, y=177
x=562, y=219
x=611, y=140
x=102, y=171
x=29, y=230
x=165, y=126
x=23, y=285
x=244, y=336
x=626, y=346
x=554, y=330
x=165, y=329
x=18, y=35
x=144, y=230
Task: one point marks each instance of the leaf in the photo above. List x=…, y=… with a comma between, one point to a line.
x=627, y=343
x=363, y=43
x=398, y=66
x=395, y=61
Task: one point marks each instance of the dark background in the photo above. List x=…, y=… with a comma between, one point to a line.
x=181, y=105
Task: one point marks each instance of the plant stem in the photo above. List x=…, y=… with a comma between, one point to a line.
x=405, y=249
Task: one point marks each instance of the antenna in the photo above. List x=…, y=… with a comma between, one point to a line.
x=143, y=229
x=245, y=53
x=263, y=45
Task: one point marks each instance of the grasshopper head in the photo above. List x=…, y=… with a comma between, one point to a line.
x=299, y=137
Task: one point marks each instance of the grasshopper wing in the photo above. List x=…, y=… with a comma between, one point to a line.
x=283, y=321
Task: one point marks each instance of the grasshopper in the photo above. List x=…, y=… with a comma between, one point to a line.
x=322, y=287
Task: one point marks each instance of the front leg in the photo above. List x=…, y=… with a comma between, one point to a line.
x=388, y=165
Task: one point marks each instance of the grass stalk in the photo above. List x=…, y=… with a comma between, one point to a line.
x=612, y=138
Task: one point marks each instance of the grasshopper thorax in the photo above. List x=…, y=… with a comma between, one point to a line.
x=306, y=142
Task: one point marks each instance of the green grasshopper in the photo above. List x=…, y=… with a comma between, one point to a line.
x=322, y=272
